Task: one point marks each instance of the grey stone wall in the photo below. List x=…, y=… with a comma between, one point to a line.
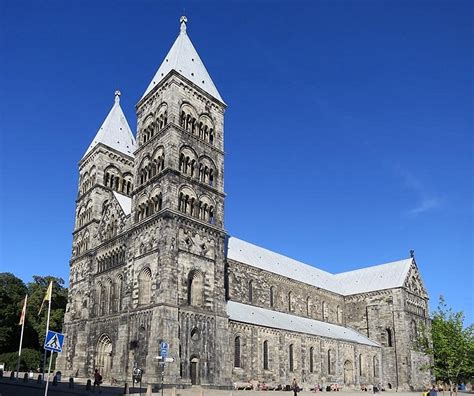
x=306, y=300
x=279, y=371
x=109, y=326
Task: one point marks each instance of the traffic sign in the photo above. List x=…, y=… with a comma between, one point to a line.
x=169, y=360
x=164, y=347
x=54, y=341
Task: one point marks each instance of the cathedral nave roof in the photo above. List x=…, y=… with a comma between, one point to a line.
x=378, y=277
x=279, y=320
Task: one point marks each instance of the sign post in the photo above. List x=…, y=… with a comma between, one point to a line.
x=164, y=349
x=53, y=343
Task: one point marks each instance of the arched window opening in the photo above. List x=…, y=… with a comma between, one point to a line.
x=272, y=291
x=339, y=314
x=144, y=286
x=211, y=178
x=324, y=311
x=308, y=306
x=118, y=294
x=311, y=360
x=414, y=331
x=375, y=365
x=290, y=357
x=250, y=291
x=361, y=363
x=110, y=304
x=212, y=219
x=389, y=337
x=331, y=361
x=237, y=361
x=102, y=300
x=195, y=288
x=289, y=301
x=265, y=355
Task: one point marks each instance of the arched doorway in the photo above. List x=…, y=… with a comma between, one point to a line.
x=103, y=360
x=194, y=367
x=348, y=373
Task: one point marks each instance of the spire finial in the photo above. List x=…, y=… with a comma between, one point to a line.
x=183, y=20
x=117, y=96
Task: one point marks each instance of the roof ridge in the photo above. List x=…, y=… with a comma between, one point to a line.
x=373, y=266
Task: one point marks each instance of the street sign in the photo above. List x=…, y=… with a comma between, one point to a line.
x=164, y=349
x=169, y=360
x=54, y=341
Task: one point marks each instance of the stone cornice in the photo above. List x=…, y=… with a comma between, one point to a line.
x=125, y=158
x=198, y=92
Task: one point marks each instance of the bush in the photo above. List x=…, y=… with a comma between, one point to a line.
x=30, y=360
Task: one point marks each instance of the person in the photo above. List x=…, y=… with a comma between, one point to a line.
x=97, y=381
x=433, y=391
x=295, y=387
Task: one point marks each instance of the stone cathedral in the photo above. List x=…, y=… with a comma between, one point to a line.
x=151, y=262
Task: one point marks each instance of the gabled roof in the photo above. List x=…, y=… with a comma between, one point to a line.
x=379, y=277
x=278, y=320
x=267, y=260
x=125, y=202
x=184, y=59
x=115, y=131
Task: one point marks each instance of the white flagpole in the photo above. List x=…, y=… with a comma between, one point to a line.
x=21, y=335
x=47, y=329
x=49, y=369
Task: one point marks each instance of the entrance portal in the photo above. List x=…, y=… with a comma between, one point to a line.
x=103, y=360
x=195, y=371
x=348, y=373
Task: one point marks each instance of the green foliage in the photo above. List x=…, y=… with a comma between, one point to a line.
x=36, y=292
x=451, y=344
x=12, y=293
x=30, y=360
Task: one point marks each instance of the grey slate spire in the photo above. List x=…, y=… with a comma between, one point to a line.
x=184, y=59
x=115, y=131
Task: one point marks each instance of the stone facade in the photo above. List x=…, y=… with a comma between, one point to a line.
x=149, y=264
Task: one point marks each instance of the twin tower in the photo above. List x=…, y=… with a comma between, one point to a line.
x=148, y=261
x=152, y=262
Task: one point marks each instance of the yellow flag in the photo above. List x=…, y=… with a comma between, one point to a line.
x=47, y=297
x=23, y=312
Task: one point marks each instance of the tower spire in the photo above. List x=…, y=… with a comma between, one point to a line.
x=183, y=21
x=184, y=59
x=117, y=96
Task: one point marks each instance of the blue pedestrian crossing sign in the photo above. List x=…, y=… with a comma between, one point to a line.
x=164, y=349
x=54, y=341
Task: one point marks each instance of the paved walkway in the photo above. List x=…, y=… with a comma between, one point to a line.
x=19, y=388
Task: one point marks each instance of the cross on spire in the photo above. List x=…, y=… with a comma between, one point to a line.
x=183, y=20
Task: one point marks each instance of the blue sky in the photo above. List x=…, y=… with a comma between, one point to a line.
x=349, y=131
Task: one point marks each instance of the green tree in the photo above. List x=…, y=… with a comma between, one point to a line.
x=451, y=345
x=37, y=291
x=12, y=293
x=30, y=360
